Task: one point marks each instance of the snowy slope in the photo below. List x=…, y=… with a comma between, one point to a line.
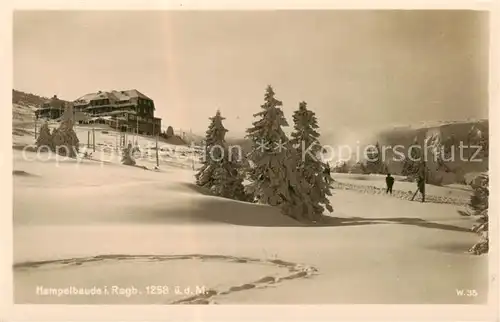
x=377, y=249
x=97, y=223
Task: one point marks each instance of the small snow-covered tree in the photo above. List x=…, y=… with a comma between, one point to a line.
x=412, y=161
x=213, y=152
x=170, y=132
x=65, y=140
x=374, y=160
x=305, y=139
x=275, y=176
x=479, y=205
x=484, y=142
x=44, y=139
x=448, y=146
x=341, y=167
x=478, y=137
x=219, y=173
x=127, y=152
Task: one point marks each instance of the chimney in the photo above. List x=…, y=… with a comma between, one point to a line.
x=55, y=97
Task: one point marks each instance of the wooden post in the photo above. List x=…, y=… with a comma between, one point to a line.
x=117, y=142
x=93, y=137
x=35, y=125
x=424, y=169
x=468, y=144
x=88, y=139
x=192, y=147
x=157, y=158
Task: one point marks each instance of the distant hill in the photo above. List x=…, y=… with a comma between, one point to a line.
x=458, y=132
x=28, y=99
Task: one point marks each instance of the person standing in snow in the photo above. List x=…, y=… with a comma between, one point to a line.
x=327, y=169
x=389, y=181
x=327, y=172
x=420, y=188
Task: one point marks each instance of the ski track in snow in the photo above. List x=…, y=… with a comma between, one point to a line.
x=295, y=271
x=399, y=194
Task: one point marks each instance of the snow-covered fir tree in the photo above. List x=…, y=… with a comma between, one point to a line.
x=275, y=178
x=374, y=160
x=439, y=152
x=220, y=170
x=449, y=147
x=357, y=168
x=479, y=205
x=484, y=142
x=65, y=140
x=305, y=139
x=412, y=161
x=341, y=167
x=170, y=131
x=44, y=139
x=127, y=155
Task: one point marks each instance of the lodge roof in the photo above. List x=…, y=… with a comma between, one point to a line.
x=124, y=95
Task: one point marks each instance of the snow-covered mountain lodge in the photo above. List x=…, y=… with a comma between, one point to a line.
x=127, y=110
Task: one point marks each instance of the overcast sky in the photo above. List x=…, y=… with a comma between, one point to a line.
x=354, y=68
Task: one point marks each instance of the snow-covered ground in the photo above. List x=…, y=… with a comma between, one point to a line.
x=377, y=249
x=96, y=224
x=107, y=147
